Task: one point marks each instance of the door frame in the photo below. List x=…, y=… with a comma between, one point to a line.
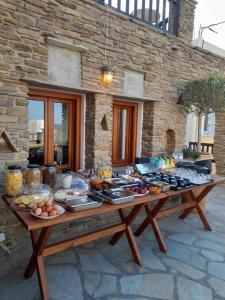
x=75, y=119
x=132, y=128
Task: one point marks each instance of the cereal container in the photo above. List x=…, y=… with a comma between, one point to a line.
x=33, y=174
x=49, y=175
x=14, y=180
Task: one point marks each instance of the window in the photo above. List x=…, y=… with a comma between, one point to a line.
x=54, y=129
x=124, y=133
x=209, y=124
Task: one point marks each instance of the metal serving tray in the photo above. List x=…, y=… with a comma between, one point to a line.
x=119, y=182
x=82, y=203
x=118, y=196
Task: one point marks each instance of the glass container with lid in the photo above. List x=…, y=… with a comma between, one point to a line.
x=33, y=174
x=67, y=176
x=14, y=180
x=105, y=172
x=31, y=195
x=49, y=175
x=79, y=187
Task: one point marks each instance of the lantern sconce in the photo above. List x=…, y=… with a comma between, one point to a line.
x=107, y=74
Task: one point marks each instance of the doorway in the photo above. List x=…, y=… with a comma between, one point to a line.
x=124, y=133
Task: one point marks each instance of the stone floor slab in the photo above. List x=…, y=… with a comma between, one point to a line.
x=184, y=268
x=212, y=255
x=95, y=261
x=210, y=245
x=184, y=238
x=151, y=261
x=64, y=283
x=190, y=290
x=217, y=269
x=218, y=286
x=156, y=286
x=185, y=255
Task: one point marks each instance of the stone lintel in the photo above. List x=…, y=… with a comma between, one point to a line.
x=62, y=44
x=52, y=87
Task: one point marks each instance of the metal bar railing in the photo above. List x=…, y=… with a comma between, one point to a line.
x=162, y=14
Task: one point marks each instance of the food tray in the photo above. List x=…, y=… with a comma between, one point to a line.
x=165, y=187
x=118, y=196
x=65, y=194
x=119, y=182
x=82, y=203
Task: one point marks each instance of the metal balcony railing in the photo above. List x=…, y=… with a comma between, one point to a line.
x=162, y=14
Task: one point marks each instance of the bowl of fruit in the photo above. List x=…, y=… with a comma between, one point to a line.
x=155, y=190
x=46, y=210
x=140, y=190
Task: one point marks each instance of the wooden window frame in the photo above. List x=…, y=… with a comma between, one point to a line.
x=131, y=130
x=74, y=102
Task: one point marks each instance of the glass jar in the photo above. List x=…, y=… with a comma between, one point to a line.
x=104, y=172
x=49, y=175
x=31, y=195
x=67, y=178
x=14, y=180
x=33, y=175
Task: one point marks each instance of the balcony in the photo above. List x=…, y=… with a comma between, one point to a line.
x=162, y=14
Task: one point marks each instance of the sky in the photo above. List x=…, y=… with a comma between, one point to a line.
x=209, y=12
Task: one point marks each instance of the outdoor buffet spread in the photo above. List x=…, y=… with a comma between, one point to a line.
x=69, y=196
x=89, y=189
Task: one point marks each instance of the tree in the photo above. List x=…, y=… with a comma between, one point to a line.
x=204, y=96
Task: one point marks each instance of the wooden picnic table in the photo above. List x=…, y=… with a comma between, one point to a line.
x=40, y=230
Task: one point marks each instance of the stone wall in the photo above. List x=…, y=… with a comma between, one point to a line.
x=219, y=140
x=167, y=63
x=98, y=130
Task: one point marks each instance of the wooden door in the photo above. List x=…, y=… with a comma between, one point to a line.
x=124, y=133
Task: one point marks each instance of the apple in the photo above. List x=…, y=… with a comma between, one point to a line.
x=143, y=190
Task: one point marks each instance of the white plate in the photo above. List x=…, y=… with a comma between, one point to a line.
x=15, y=207
x=61, y=211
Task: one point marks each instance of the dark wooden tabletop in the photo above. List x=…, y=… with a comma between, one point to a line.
x=32, y=223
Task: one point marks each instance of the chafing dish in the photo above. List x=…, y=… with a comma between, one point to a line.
x=118, y=195
x=83, y=203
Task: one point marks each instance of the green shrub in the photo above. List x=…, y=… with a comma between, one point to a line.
x=191, y=153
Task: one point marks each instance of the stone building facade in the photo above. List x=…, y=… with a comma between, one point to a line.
x=33, y=33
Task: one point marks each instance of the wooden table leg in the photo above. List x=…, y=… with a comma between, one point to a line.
x=129, y=219
x=199, y=210
x=131, y=240
x=151, y=220
x=42, y=280
x=38, y=247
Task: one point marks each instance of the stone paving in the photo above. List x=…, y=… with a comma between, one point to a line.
x=193, y=268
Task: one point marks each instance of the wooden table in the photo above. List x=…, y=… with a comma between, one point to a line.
x=193, y=197
x=41, y=249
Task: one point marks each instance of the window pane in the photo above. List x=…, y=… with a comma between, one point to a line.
x=121, y=133
x=61, y=133
x=36, y=131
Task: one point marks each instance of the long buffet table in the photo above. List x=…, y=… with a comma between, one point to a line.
x=154, y=206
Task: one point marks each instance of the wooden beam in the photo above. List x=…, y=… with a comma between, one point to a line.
x=83, y=239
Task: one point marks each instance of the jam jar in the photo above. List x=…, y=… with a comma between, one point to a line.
x=14, y=180
x=49, y=175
